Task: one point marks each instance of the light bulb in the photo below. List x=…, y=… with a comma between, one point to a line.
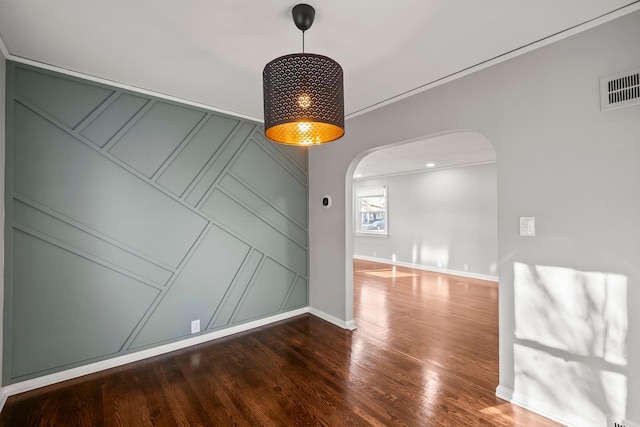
x=304, y=101
x=304, y=127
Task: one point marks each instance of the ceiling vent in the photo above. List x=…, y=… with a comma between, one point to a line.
x=620, y=90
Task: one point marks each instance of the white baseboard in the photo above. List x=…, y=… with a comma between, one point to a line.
x=349, y=324
x=69, y=374
x=541, y=408
x=504, y=393
x=468, y=274
x=3, y=397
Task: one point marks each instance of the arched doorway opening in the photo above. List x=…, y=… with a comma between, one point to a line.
x=452, y=170
x=429, y=204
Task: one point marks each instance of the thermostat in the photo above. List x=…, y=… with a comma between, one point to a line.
x=326, y=202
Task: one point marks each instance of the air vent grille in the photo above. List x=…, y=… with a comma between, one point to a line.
x=618, y=422
x=620, y=90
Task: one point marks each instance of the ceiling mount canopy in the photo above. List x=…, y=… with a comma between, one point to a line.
x=303, y=93
x=303, y=16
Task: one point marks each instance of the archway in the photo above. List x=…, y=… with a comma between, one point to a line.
x=441, y=152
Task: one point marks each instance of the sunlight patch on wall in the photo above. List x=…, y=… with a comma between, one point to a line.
x=584, y=313
x=493, y=268
x=414, y=254
x=572, y=385
x=437, y=257
x=571, y=339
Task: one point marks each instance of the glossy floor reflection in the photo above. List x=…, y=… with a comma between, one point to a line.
x=445, y=331
x=425, y=354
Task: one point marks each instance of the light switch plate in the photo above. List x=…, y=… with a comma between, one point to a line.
x=527, y=226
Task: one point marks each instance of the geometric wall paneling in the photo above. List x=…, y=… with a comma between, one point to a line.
x=54, y=227
x=229, y=304
x=63, y=307
x=197, y=290
x=130, y=216
x=266, y=177
x=193, y=157
x=217, y=165
x=298, y=296
x=292, y=158
x=261, y=208
x=263, y=298
x=105, y=126
x=57, y=171
x=155, y=136
x=69, y=101
x=292, y=153
x=242, y=222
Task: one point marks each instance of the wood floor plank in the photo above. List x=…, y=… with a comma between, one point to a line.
x=425, y=354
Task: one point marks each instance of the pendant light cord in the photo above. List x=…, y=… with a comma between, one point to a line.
x=303, y=42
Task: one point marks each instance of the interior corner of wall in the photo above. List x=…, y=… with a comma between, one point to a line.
x=504, y=393
x=3, y=397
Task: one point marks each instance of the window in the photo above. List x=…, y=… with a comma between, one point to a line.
x=371, y=210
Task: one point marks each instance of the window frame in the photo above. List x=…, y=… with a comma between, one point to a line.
x=364, y=192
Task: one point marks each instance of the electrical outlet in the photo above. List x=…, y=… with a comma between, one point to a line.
x=466, y=267
x=195, y=326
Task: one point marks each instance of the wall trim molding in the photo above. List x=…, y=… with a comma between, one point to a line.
x=124, y=86
x=610, y=16
x=35, y=383
x=468, y=274
x=563, y=34
x=3, y=397
x=541, y=408
x=3, y=49
x=344, y=324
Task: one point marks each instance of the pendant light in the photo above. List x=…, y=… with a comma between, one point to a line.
x=303, y=93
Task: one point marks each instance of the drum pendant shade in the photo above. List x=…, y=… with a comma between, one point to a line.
x=303, y=94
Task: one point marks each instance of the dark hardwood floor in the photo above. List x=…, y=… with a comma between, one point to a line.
x=425, y=354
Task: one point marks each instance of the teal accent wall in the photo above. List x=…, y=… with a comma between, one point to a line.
x=130, y=216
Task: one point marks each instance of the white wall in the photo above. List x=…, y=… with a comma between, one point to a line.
x=440, y=219
x=3, y=80
x=561, y=160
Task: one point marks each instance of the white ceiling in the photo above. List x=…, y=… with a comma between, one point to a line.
x=444, y=151
x=212, y=52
